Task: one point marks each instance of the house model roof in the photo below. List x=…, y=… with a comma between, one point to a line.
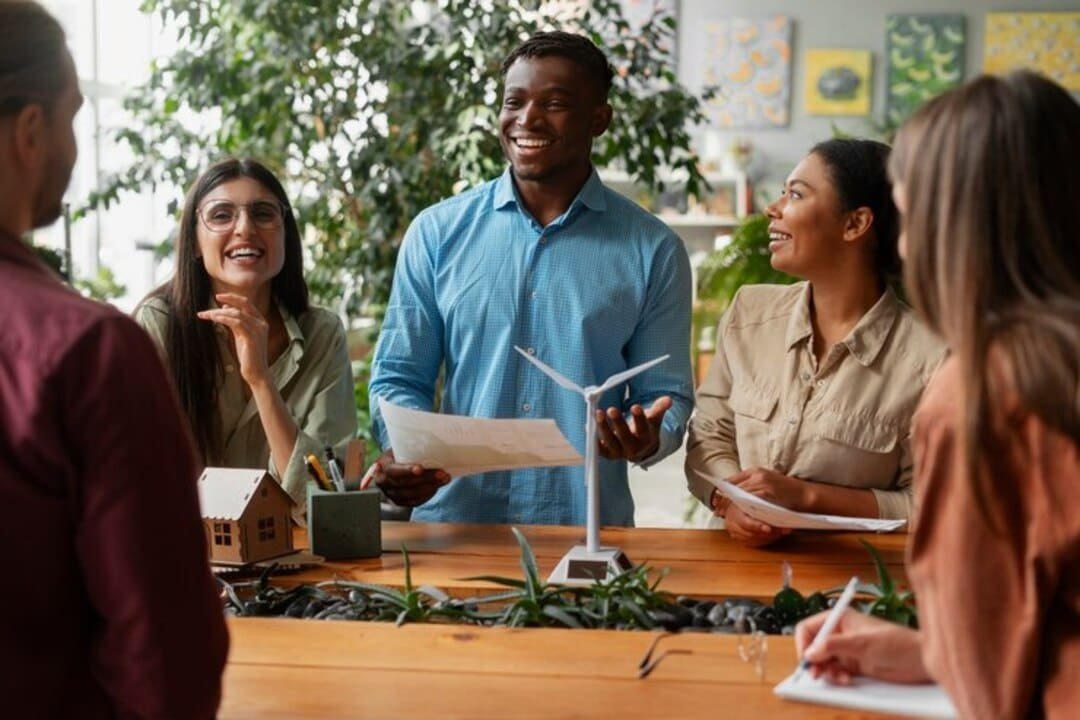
x=224, y=493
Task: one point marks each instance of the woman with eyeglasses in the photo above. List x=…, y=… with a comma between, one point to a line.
x=263, y=376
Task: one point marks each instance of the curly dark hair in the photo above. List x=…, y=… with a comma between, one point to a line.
x=859, y=172
x=576, y=48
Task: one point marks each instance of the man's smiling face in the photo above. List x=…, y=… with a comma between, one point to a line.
x=550, y=114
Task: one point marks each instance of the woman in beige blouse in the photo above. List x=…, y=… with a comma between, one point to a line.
x=263, y=376
x=986, y=176
x=809, y=399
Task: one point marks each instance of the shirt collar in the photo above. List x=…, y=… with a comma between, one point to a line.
x=865, y=340
x=799, y=327
x=292, y=328
x=591, y=194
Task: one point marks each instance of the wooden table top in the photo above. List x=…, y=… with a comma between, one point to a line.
x=704, y=564
x=282, y=668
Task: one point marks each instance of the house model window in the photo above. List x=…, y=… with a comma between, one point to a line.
x=222, y=534
x=266, y=529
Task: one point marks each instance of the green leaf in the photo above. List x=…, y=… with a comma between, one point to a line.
x=408, y=569
x=561, y=616
x=884, y=578
x=497, y=579
x=533, y=585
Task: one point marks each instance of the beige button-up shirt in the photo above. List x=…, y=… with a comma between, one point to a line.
x=314, y=377
x=768, y=403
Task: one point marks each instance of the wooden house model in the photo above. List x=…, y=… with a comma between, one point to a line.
x=246, y=515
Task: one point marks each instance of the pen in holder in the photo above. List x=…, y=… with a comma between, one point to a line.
x=344, y=524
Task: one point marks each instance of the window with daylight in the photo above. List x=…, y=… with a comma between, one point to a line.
x=112, y=44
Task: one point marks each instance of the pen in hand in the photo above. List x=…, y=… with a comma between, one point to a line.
x=830, y=623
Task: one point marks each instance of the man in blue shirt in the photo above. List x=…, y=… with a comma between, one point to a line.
x=546, y=258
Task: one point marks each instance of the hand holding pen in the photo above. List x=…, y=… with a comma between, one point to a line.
x=827, y=627
x=854, y=644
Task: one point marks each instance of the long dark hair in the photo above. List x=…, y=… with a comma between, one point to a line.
x=989, y=176
x=859, y=173
x=190, y=348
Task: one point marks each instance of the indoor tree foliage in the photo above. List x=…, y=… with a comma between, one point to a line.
x=373, y=110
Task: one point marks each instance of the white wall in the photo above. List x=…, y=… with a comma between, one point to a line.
x=856, y=24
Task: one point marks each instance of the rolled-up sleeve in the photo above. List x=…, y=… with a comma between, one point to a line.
x=711, y=452
x=410, y=348
x=665, y=329
x=331, y=419
x=897, y=503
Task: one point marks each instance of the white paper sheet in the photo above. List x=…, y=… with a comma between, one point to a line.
x=777, y=516
x=466, y=446
x=929, y=701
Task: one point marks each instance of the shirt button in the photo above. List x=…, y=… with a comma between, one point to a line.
x=526, y=407
x=805, y=376
x=228, y=368
x=533, y=295
x=543, y=240
x=531, y=351
x=793, y=419
x=820, y=383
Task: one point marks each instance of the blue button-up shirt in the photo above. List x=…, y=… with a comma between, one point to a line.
x=604, y=287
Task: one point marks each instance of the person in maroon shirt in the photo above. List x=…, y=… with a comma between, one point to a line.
x=108, y=607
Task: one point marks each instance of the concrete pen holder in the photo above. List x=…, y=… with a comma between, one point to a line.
x=344, y=525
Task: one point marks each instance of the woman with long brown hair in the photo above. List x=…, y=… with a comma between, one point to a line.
x=986, y=177
x=263, y=376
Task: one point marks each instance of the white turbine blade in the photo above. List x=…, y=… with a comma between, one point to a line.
x=550, y=372
x=620, y=378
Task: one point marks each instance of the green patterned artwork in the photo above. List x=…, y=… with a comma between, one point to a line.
x=925, y=56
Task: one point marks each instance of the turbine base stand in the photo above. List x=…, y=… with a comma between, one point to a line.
x=581, y=567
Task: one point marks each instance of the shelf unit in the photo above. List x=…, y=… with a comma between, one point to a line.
x=668, y=206
x=698, y=227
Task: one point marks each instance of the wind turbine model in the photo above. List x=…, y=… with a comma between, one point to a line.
x=588, y=563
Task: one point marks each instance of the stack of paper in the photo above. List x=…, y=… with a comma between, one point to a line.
x=778, y=516
x=928, y=701
x=466, y=446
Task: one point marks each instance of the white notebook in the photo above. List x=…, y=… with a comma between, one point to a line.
x=927, y=701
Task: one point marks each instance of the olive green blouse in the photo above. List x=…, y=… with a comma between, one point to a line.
x=767, y=402
x=314, y=377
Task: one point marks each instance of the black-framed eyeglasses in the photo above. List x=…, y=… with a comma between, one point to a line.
x=221, y=216
x=752, y=648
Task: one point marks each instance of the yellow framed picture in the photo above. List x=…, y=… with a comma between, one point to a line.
x=1046, y=42
x=837, y=82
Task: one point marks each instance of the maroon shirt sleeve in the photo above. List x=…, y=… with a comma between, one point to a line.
x=161, y=645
